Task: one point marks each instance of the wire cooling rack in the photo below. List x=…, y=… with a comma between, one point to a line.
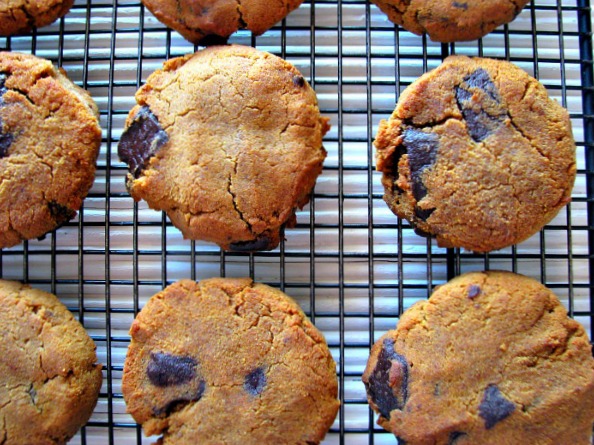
x=350, y=263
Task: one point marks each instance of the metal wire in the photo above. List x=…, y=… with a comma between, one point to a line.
x=351, y=264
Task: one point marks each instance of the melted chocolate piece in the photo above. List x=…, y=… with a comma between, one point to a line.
x=494, y=407
x=460, y=5
x=422, y=152
x=141, y=141
x=255, y=382
x=385, y=395
x=473, y=290
x=298, y=81
x=166, y=370
x=484, y=116
x=60, y=213
x=400, y=441
x=180, y=402
x=454, y=436
x=3, y=89
x=423, y=214
x=260, y=243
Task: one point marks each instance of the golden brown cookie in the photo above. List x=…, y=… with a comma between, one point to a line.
x=228, y=142
x=213, y=21
x=490, y=358
x=49, y=142
x=476, y=154
x=229, y=361
x=21, y=16
x=451, y=20
x=49, y=376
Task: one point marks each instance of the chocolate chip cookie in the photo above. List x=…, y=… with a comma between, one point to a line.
x=206, y=21
x=21, y=16
x=450, y=20
x=490, y=358
x=476, y=154
x=49, y=142
x=228, y=142
x=228, y=361
x=49, y=376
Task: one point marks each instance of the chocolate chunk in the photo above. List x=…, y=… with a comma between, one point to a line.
x=422, y=152
x=473, y=290
x=400, y=441
x=6, y=140
x=60, y=213
x=423, y=214
x=177, y=404
x=3, y=89
x=170, y=370
x=460, y=5
x=298, y=81
x=388, y=383
x=260, y=243
x=485, y=115
x=454, y=436
x=494, y=407
x=255, y=381
x=141, y=141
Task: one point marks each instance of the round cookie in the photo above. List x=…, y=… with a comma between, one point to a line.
x=451, y=21
x=490, y=358
x=21, y=16
x=228, y=361
x=213, y=21
x=49, y=376
x=228, y=142
x=477, y=155
x=49, y=142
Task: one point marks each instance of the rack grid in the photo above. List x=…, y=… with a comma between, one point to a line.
x=350, y=263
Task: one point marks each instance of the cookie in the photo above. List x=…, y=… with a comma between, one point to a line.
x=228, y=142
x=228, y=361
x=21, y=16
x=207, y=22
x=450, y=20
x=49, y=376
x=477, y=155
x=49, y=142
x=490, y=358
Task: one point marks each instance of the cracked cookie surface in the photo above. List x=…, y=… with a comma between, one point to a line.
x=476, y=154
x=228, y=361
x=213, y=21
x=451, y=20
x=49, y=143
x=49, y=376
x=489, y=358
x=21, y=16
x=228, y=142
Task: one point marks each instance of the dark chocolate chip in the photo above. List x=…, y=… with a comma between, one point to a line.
x=422, y=152
x=473, y=290
x=298, y=81
x=141, y=141
x=421, y=232
x=60, y=213
x=400, y=441
x=180, y=402
x=3, y=89
x=260, y=243
x=494, y=407
x=388, y=395
x=454, y=436
x=255, y=382
x=170, y=370
x=480, y=122
x=460, y=5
